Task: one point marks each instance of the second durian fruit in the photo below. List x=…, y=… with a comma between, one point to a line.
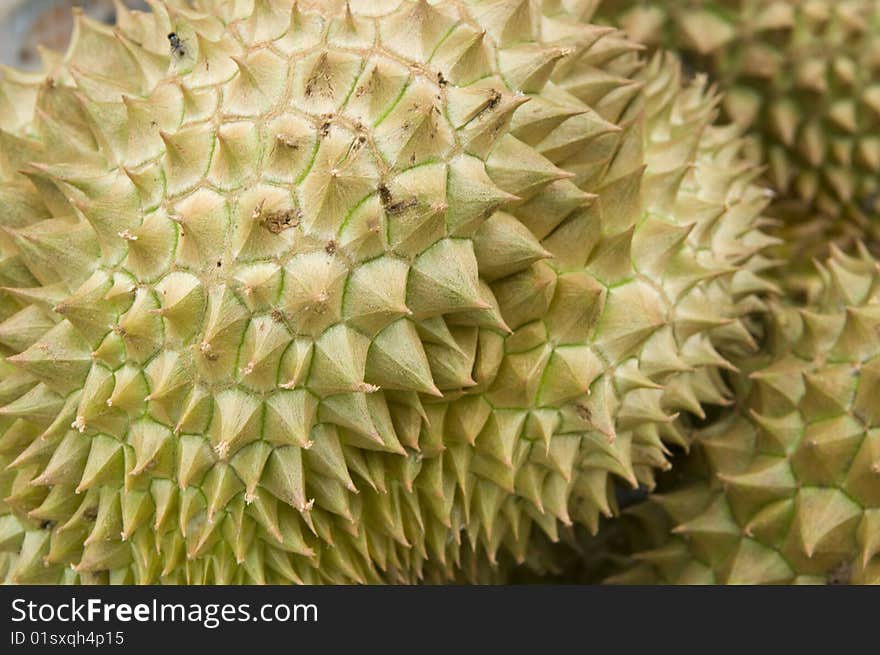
x=786, y=489
x=804, y=75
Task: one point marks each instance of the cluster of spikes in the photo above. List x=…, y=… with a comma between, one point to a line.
x=306, y=291
x=786, y=490
x=805, y=76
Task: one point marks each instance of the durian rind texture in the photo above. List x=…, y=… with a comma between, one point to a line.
x=307, y=295
x=785, y=489
x=803, y=74
x=694, y=171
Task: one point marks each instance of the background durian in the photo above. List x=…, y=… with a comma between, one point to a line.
x=803, y=74
x=398, y=291
x=784, y=490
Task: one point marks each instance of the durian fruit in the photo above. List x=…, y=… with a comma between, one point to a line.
x=693, y=171
x=299, y=293
x=787, y=488
x=804, y=74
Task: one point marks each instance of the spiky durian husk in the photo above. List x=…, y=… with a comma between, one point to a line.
x=305, y=297
x=804, y=74
x=785, y=489
x=694, y=172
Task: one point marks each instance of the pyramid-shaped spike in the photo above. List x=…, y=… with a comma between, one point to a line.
x=519, y=170
x=824, y=517
x=236, y=422
x=60, y=359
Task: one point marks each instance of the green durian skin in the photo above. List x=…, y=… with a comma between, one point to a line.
x=785, y=489
x=802, y=75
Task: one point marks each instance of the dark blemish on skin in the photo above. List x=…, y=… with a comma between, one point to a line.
x=287, y=141
x=330, y=248
x=208, y=353
x=219, y=263
x=355, y=146
x=401, y=205
x=441, y=80
x=90, y=514
x=277, y=316
x=494, y=100
x=178, y=49
x=384, y=195
x=584, y=412
x=278, y=221
x=320, y=74
x=325, y=128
